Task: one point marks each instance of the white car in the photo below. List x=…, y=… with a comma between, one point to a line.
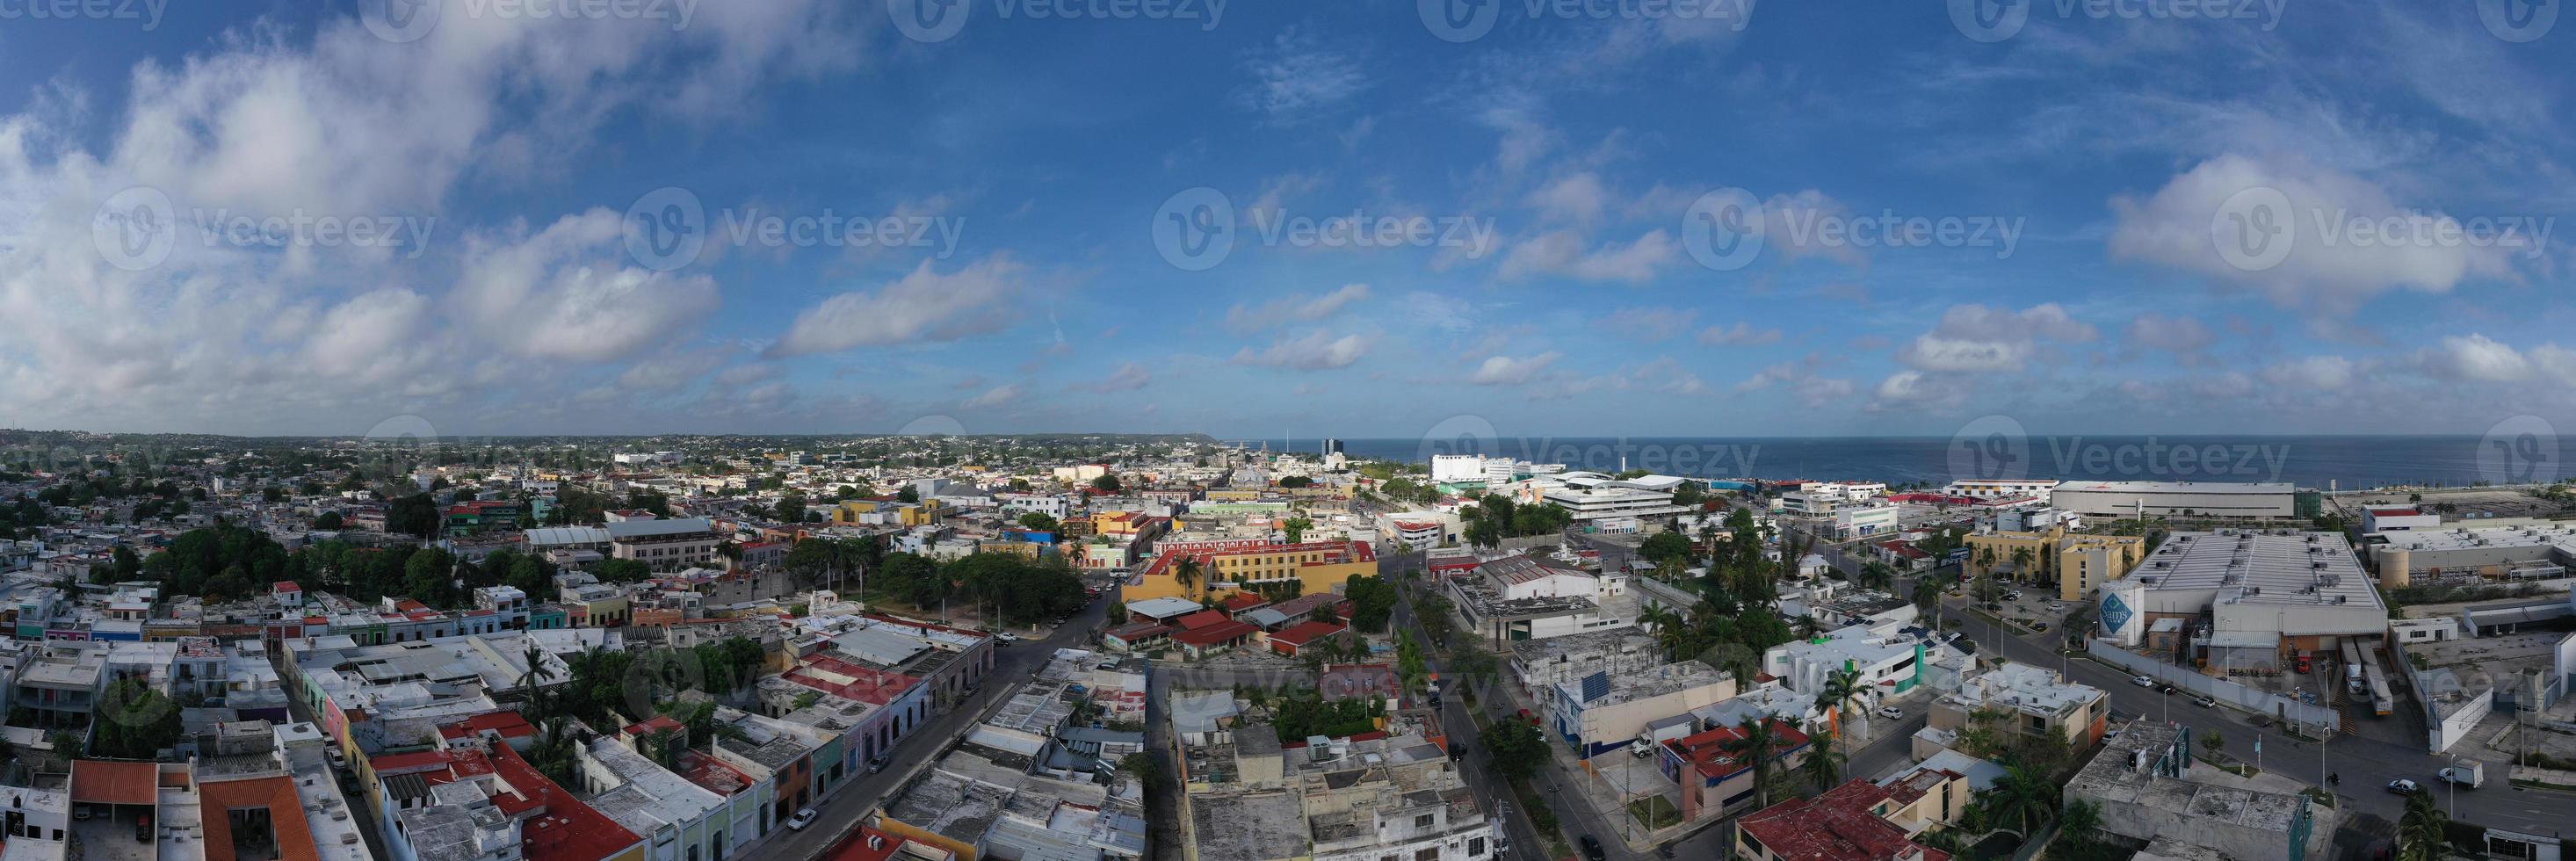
x=1007, y=637
x=802, y=818
x=1891, y=712
x=2144, y=681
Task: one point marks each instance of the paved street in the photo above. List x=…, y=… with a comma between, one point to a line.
x=840, y=814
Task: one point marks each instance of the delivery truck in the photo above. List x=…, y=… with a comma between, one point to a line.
x=2469, y=776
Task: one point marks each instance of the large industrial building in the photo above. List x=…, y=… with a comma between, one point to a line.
x=2252, y=596
x=2265, y=500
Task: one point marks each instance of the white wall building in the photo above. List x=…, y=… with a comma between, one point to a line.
x=1992, y=488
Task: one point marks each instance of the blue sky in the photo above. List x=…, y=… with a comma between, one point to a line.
x=565, y=218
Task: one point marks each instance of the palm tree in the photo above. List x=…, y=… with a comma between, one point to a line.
x=2419, y=832
x=2021, y=564
x=1805, y=625
x=1927, y=599
x=1841, y=688
x=2022, y=798
x=1824, y=764
x=533, y=680
x=1877, y=575
x=1758, y=745
x=1186, y=572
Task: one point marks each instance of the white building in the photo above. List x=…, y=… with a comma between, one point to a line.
x=1803, y=665
x=2266, y=593
x=1457, y=468
x=1994, y=488
x=1592, y=495
x=1857, y=520
x=2172, y=498
x=1603, y=712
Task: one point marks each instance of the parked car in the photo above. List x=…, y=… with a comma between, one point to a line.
x=2207, y=702
x=1592, y=848
x=338, y=761
x=2167, y=690
x=802, y=818
x=2402, y=786
x=1891, y=712
x=2305, y=665
x=1006, y=637
x=2114, y=733
x=2039, y=626
x=2144, y=681
x=876, y=765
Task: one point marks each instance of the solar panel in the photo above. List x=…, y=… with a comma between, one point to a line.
x=1596, y=686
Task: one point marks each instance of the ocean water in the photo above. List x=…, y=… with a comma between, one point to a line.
x=2345, y=462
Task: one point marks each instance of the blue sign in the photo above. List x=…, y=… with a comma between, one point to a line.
x=1957, y=554
x=2115, y=612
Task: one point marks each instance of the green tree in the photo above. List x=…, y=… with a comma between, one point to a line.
x=1296, y=528
x=1039, y=521
x=1106, y=483
x=621, y=571
x=133, y=721
x=1513, y=748
x=1664, y=546
x=1824, y=764
x=791, y=506
x=329, y=521
x=1758, y=742
x=2022, y=798
x=416, y=515
x=2420, y=831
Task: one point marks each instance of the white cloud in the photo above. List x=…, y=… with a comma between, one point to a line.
x=2314, y=372
x=1129, y=377
x=994, y=397
x=1578, y=199
x=1802, y=379
x=1299, y=308
x=1740, y=334
x=564, y=293
x=1979, y=338
x=1317, y=350
x=1294, y=77
x=2181, y=336
x=2326, y=262
x=1566, y=253
x=1508, y=371
x=2475, y=358
x=1647, y=324
x=926, y=305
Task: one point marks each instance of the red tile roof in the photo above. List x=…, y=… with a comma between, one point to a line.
x=100, y=782
x=1202, y=619
x=562, y=828
x=294, y=836
x=856, y=847
x=1214, y=634
x=1707, y=751
x=507, y=724
x=1834, y=826
x=864, y=685
x=1306, y=632
x=1241, y=601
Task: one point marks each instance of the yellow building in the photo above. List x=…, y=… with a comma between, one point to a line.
x=1226, y=567
x=907, y=513
x=2075, y=562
